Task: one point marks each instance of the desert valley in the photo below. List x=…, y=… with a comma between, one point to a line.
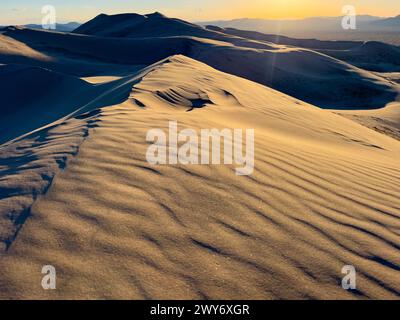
x=77, y=192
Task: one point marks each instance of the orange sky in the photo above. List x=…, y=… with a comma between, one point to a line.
x=29, y=11
x=281, y=9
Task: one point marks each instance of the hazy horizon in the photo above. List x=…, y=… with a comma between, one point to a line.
x=29, y=11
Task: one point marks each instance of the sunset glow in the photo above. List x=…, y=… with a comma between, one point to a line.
x=28, y=11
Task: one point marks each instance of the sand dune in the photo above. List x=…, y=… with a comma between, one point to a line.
x=139, y=26
x=386, y=120
x=68, y=58
x=51, y=128
x=13, y=48
x=369, y=55
x=305, y=74
x=323, y=195
x=156, y=25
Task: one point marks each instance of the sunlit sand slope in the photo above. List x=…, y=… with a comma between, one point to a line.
x=324, y=194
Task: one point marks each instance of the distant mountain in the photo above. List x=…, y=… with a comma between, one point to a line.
x=66, y=27
x=320, y=24
x=392, y=24
x=62, y=27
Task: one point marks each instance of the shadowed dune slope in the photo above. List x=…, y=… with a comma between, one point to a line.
x=369, y=55
x=67, y=58
x=305, y=74
x=324, y=194
x=280, y=39
x=28, y=96
x=34, y=97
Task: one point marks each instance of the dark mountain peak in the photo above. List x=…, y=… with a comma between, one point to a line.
x=132, y=25
x=156, y=15
x=119, y=16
